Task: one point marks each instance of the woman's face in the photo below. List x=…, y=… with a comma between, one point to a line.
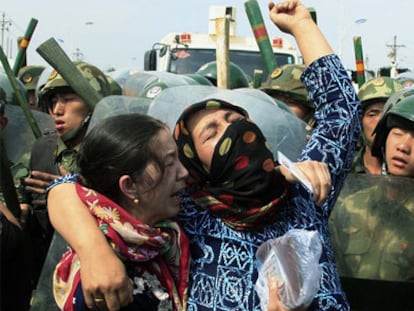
x=399, y=152
x=163, y=201
x=207, y=127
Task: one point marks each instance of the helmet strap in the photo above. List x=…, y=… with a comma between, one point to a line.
x=73, y=134
x=384, y=169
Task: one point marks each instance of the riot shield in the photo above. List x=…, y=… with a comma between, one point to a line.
x=117, y=104
x=19, y=137
x=283, y=130
x=372, y=230
x=149, y=84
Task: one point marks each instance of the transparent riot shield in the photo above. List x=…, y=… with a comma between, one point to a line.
x=18, y=135
x=116, y=105
x=149, y=84
x=283, y=130
x=372, y=230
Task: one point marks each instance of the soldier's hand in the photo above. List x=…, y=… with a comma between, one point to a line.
x=38, y=181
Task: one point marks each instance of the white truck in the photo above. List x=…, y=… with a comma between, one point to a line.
x=186, y=52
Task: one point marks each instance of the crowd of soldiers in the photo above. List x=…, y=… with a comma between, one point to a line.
x=372, y=223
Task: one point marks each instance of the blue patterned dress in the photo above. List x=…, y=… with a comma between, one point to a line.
x=223, y=271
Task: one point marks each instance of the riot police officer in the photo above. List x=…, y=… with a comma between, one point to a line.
x=55, y=154
x=284, y=84
x=373, y=94
x=29, y=76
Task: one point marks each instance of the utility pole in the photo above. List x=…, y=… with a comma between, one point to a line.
x=393, y=56
x=4, y=27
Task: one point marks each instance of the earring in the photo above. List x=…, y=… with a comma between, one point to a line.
x=135, y=200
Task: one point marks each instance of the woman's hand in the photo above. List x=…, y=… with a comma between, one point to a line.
x=104, y=277
x=274, y=303
x=289, y=14
x=318, y=175
x=293, y=17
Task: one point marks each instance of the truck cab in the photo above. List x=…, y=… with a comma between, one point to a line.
x=186, y=52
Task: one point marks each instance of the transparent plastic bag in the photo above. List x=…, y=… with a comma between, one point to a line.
x=293, y=260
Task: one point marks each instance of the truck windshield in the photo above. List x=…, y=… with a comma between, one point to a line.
x=190, y=60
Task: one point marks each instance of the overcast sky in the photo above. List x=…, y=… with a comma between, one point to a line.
x=116, y=33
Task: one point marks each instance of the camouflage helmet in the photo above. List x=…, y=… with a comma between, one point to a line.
x=10, y=95
x=29, y=75
x=238, y=78
x=399, y=113
x=116, y=88
x=286, y=80
x=93, y=75
x=378, y=89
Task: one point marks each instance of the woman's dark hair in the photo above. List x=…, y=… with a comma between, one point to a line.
x=119, y=145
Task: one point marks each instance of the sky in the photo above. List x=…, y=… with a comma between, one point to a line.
x=116, y=33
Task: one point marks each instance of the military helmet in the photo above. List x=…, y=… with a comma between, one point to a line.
x=96, y=78
x=10, y=94
x=202, y=80
x=286, y=80
x=116, y=88
x=399, y=112
x=238, y=77
x=378, y=88
x=29, y=75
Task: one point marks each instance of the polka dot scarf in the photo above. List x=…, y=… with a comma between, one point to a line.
x=241, y=187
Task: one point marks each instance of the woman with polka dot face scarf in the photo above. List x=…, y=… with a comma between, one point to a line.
x=232, y=171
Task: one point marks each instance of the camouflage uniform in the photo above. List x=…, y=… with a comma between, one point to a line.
x=372, y=230
x=286, y=81
x=372, y=224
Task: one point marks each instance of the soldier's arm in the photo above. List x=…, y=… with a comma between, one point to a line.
x=102, y=272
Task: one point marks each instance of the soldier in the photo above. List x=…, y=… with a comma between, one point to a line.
x=29, y=76
x=55, y=154
x=373, y=94
x=373, y=228
x=394, y=135
x=285, y=84
x=15, y=269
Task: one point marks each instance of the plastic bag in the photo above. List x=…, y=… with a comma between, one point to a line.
x=292, y=259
